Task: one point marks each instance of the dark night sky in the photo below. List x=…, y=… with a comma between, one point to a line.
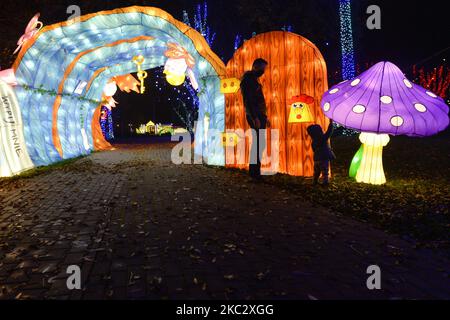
x=412, y=31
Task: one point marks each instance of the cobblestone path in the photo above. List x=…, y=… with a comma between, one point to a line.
x=140, y=227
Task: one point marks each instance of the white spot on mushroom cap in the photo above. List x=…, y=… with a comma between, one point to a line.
x=420, y=107
x=386, y=99
x=355, y=82
x=431, y=94
x=407, y=83
x=327, y=107
x=359, y=108
x=334, y=91
x=397, y=121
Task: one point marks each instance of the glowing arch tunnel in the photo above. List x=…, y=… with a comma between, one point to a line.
x=62, y=71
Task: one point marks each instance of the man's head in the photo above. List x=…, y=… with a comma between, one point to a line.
x=259, y=66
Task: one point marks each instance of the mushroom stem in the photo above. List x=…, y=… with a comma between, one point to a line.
x=371, y=168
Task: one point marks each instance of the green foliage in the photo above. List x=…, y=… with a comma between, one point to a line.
x=63, y=164
x=356, y=162
x=53, y=93
x=415, y=201
x=166, y=130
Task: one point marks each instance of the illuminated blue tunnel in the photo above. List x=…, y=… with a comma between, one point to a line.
x=61, y=57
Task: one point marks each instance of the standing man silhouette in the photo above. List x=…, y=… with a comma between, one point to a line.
x=256, y=112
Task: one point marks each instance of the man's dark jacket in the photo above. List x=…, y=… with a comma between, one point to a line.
x=254, y=102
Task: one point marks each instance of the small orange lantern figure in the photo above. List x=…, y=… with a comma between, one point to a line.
x=300, y=109
x=230, y=139
x=230, y=85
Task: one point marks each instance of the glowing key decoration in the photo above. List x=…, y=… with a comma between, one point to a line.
x=179, y=63
x=142, y=75
x=230, y=85
x=382, y=102
x=300, y=110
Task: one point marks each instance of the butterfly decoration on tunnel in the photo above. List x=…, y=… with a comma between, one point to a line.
x=300, y=109
x=33, y=27
x=179, y=62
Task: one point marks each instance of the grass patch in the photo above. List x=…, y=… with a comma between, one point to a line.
x=40, y=170
x=414, y=202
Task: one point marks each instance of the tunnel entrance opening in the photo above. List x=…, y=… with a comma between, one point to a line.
x=65, y=68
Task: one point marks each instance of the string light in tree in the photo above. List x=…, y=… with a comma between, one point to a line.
x=186, y=19
x=347, y=50
x=201, y=22
x=288, y=28
x=182, y=99
x=237, y=41
x=106, y=123
x=437, y=80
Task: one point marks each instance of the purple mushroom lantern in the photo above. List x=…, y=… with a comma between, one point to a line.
x=382, y=102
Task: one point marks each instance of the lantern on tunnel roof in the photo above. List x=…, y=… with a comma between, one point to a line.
x=382, y=102
x=179, y=63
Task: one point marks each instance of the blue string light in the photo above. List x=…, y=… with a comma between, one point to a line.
x=106, y=123
x=348, y=54
x=201, y=22
x=288, y=28
x=237, y=41
x=186, y=19
x=182, y=99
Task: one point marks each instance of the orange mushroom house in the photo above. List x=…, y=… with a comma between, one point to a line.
x=293, y=86
x=300, y=109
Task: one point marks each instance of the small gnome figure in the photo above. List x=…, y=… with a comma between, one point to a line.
x=301, y=109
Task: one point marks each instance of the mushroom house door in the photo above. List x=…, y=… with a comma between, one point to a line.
x=293, y=85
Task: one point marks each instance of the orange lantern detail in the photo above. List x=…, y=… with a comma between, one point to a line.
x=230, y=139
x=300, y=111
x=127, y=83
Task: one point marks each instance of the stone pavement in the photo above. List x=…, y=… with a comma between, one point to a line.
x=140, y=227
